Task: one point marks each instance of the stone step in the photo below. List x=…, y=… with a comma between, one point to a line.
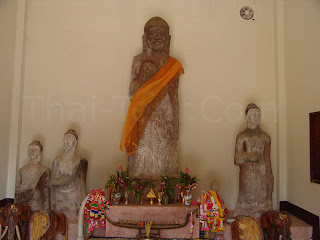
x=299, y=231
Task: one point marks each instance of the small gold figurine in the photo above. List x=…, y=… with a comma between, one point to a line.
x=151, y=195
x=147, y=226
x=160, y=194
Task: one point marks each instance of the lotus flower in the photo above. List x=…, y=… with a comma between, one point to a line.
x=187, y=170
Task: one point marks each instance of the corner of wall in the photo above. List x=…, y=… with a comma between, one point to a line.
x=16, y=96
x=281, y=99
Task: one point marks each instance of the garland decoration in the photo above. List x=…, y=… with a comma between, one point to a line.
x=212, y=212
x=94, y=210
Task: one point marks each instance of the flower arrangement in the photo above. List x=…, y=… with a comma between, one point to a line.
x=168, y=186
x=119, y=181
x=186, y=181
x=136, y=186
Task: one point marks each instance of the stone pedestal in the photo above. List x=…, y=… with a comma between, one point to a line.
x=156, y=213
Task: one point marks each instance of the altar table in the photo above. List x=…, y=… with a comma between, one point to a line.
x=158, y=214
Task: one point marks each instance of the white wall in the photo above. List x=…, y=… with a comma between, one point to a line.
x=302, y=38
x=8, y=11
x=77, y=70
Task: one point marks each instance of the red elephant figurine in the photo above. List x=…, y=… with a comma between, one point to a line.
x=47, y=223
x=14, y=218
x=275, y=224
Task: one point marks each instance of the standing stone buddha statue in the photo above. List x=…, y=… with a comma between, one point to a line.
x=151, y=130
x=252, y=155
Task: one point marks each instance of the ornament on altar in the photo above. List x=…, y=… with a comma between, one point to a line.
x=117, y=184
x=160, y=194
x=151, y=195
x=212, y=213
x=185, y=184
x=126, y=197
x=94, y=210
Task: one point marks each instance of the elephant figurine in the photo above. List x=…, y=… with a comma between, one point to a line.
x=245, y=228
x=14, y=218
x=47, y=223
x=276, y=224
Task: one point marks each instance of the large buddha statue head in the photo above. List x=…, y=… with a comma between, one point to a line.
x=156, y=35
x=70, y=140
x=34, y=151
x=253, y=116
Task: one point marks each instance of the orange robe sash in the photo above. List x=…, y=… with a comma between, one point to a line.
x=144, y=102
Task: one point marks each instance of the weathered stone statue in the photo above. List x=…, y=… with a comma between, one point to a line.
x=68, y=180
x=32, y=186
x=151, y=130
x=252, y=154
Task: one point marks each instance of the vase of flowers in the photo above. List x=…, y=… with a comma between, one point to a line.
x=116, y=197
x=136, y=187
x=186, y=182
x=165, y=199
x=168, y=186
x=118, y=183
x=138, y=198
x=187, y=198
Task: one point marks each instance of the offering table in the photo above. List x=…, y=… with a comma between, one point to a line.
x=169, y=221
